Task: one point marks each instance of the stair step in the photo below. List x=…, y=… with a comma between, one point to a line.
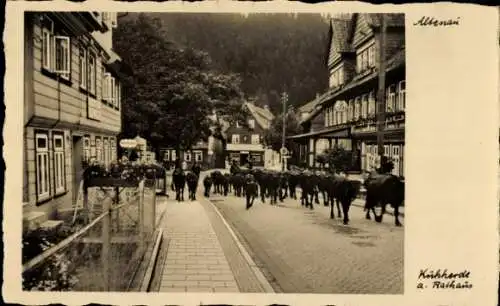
x=33, y=219
x=51, y=225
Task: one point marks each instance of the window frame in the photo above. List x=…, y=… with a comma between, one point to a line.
x=401, y=100
x=98, y=149
x=42, y=177
x=357, y=108
x=187, y=156
x=253, y=137
x=235, y=139
x=251, y=123
x=166, y=155
x=198, y=154
x=92, y=79
x=82, y=62
x=372, y=104
x=59, y=152
x=390, y=101
x=86, y=148
x=364, y=106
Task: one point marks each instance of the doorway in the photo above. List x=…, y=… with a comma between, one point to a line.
x=77, y=153
x=243, y=159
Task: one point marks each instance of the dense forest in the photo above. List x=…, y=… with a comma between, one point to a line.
x=271, y=52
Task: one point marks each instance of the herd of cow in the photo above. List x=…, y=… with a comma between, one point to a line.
x=381, y=189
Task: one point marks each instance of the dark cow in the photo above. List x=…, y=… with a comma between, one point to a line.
x=293, y=181
x=261, y=177
x=218, y=182
x=307, y=184
x=324, y=182
x=283, y=186
x=344, y=191
x=238, y=182
x=192, y=183
x=226, y=184
x=179, y=180
x=207, y=183
x=251, y=190
x=273, y=180
x=383, y=189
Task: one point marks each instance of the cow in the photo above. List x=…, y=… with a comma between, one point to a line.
x=293, y=181
x=226, y=184
x=344, y=191
x=273, y=180
x=179, y=180
x=324, y=182
x=238, y=182
x=251, y=190
x=192, y=182
x=207, y=183
x=383, y=189
x=307, y=184
x=217, y=181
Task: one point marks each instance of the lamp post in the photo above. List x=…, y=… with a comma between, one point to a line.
x=381, y=89
x=284, y=98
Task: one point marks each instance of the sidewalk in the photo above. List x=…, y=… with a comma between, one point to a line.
x=195, y=260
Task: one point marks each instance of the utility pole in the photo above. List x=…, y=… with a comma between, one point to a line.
x=381, y=89
x=284, y=98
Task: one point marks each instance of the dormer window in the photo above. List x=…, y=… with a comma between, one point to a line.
x=365, y=58
x=251, y=123
x=336, y=77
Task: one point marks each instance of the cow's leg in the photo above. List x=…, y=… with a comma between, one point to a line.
x=379, y=218
x=332, y=202
x=345, y=207
x=248, y=202
x=262, y=194
x=338, y=209
x=325, y=198
x=316, y=198
x=311, y=206
x=396, y=215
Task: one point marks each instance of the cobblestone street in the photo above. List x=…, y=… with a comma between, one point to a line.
x=303, y=251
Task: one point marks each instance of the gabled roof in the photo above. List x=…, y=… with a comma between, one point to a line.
x=261, y=115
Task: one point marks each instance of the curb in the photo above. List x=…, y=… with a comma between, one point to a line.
x=146, y=282
x=255, y=269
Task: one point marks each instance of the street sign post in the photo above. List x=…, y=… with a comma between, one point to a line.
x=128, y=143
x=283, y=151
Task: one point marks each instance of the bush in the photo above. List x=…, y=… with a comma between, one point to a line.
x=55, y=273
x=339, y=159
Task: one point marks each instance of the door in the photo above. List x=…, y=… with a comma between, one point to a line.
x=396, y=159
x=243, y=159
x=77, y=153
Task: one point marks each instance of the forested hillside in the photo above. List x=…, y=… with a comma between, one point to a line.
x=271, y=52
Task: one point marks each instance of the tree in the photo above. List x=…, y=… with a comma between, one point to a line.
x=339, y=159
x=172, y=90
x=274, y=135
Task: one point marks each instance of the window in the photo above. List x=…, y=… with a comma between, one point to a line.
x=82, y=68
x=357, y=108
x=92, y=73
x=336, y=77
x=42, y=166
x=106, y=151
x=391, y=99
x=364, y=106
x=166, y=155
x=251, y=123
x=350, y=114
x=402, y=96
x=371, y=104
x=118, y=96
x=187, y=156
x=365, y=59
x=237, y=124
x=55, y=51
x=112, y=145
x=59, y=181
x=235, y=138
x=98, y=149
x=174, y=156
x=255, y=139
x=104, y=84
x=86, y=148
x=198, y=156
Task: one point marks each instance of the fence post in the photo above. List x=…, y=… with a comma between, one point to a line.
x=141, y=215
x=106, y=245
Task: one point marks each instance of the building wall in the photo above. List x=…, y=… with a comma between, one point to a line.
x=54, y=106
x=362, y=31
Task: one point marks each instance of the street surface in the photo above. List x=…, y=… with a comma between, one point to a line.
x=304, y=251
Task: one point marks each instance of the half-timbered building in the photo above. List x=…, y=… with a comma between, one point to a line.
x=346, y=113
x=72, y=105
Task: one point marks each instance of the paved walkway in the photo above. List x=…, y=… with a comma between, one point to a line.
x=195, y=260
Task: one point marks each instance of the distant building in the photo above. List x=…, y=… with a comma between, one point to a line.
x=198, y=154
x=346, y=113
x=245, y=142
x=72, y=105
